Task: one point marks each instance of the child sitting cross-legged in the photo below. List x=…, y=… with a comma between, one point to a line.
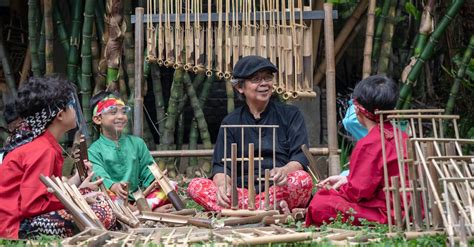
x=46, y=105
x=121, y=159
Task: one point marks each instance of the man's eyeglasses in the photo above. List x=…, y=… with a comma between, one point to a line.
x=114, y=110
x=258, y=79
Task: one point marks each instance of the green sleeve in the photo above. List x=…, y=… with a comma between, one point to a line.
x=98, y=167
x=145, y=159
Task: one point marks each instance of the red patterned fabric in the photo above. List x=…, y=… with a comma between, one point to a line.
x=296, y=193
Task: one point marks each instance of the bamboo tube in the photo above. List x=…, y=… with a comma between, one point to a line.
x=9, y=78
x=249, y=220
x=369, y=39
x=189, y=36
x=33, y=13
x=267, y=190
x=396, y=202
x=186, y=212
x=341, y=38
x=177, y=219
x=150, y=188
x=80, y=217
x=334, y=166
x=209, y=42
x=244, y=212
x=208, y=153
x=150, y=33
x=251, y=177
x=386, y=48
x=234, y=193
x=169, y=42
x=166, y=187
x=81, y=168
x=178, y=33
x=282, y=238
x=141, y=201
x=161, y=35
x=415, y=198
x=138, y=101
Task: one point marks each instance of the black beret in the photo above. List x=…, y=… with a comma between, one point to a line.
x=248, y=65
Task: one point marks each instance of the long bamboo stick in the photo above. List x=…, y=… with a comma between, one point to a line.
x=251, y=177
x=334, y=166
x=49, y=35
x=234, y=193
x=369, y=39
x=138, y=101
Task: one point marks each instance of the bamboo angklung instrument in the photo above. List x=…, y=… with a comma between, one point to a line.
x=280, y=48
x=272, y=38
x=251, y=178
x=82, y=219
x=308, y=57
x=262, y=31
x=234, y=192
x=177, y=219
x=235, y=32
x=252, y=8
x=189, y=36
x=166, y=187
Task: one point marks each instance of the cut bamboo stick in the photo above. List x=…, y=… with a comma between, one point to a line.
x=166, y=187
x=251, y=177
x=267, y=189
x=234, y=192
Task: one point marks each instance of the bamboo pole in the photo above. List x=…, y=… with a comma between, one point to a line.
x=234, y=192
x=251, y=177
x=129, y=50
x=26, y=67
x=334, y=166
x=267, y=190
x=138, y=101
x=6, y=67
x=49, y=35
x=379, y=29
x=33, y=15
x=386, y=47
x=209, y=152
x=60, y=28
x=166, y=187
x=369, y=39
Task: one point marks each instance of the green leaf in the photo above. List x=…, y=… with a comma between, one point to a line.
x=411, y=9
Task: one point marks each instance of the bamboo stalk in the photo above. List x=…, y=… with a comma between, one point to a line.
x=198, y=113
x=379, y=29
x=369, y=39
x=114, y=12
x=334, y=166
x=129, y=49
x=251, y=177
x=428, y=51
x=26, y=67
x=41, y=49
x=459, y=77
x=342, y=37
x=167, y=138
x=33, y=16
x=74, y=42
x=234, y=192
x=49, y=35
x=386, y=47
x=60, y=28
x=9, y=78
x=267, y=190
x=86, y=54
x=99, y=18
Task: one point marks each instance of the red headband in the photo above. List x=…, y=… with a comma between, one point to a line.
x=364, y=111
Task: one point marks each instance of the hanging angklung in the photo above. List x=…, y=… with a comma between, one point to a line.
x=274, y=29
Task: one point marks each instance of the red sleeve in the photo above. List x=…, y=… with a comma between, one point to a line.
x=35, y=199
x=366, y=173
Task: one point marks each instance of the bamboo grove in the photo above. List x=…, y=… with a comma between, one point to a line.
x=200, y=41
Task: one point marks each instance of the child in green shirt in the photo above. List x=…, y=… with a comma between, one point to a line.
x=120, y=158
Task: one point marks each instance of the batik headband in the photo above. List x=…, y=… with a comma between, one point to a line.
x=364, y=111
x=105, y=104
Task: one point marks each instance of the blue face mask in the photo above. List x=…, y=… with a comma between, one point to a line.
x=352, y=125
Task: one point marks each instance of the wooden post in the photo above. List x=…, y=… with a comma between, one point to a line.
x=138, y=102
x=251, y=178
x=334, y=166
x=267, y=189
x=234, y=193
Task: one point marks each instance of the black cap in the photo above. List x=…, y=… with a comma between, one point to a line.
x=248, y=65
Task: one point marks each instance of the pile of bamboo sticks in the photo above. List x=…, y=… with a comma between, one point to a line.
x=435, y=186
x=180, y=236
x=268, y=28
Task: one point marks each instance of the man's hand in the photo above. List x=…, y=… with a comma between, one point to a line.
x=333, y=181
x=223, y=194
x=88, y=184
x=279, y=175
x=119, y=190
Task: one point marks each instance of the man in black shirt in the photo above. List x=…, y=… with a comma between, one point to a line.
x=253, y=79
